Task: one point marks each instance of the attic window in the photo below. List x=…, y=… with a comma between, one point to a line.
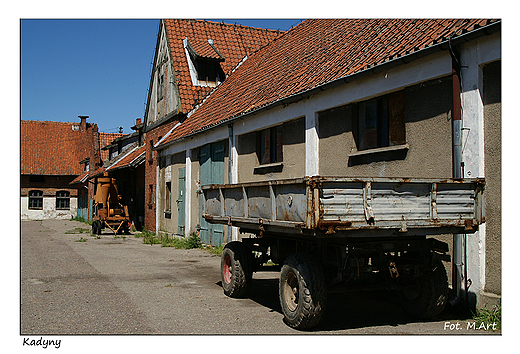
x=207, y=70
x=204, y=63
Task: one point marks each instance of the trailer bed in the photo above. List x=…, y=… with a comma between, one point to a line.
x=342, y=207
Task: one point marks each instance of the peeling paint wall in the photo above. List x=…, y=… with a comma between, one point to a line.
x=428, y=134
x=49, y=210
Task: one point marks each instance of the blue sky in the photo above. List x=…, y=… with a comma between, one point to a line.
x=99, y=68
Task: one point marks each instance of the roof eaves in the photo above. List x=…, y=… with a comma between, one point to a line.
x=167, y=134
x=119, y=157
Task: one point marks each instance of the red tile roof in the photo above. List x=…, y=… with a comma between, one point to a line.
x=204, y=49
x=53, y=148
x=232, y=42
x=104, y=140
x=312, y=54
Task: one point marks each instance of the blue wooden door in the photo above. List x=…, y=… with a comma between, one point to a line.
x=180, y=202
x=83, y=207
x=212, y=171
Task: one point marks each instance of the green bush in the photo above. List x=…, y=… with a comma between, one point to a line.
x=149, y=238
x=194, y=241
x=489, y=317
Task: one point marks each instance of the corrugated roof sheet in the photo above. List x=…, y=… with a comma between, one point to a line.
x=314, y=53
x=130, y=158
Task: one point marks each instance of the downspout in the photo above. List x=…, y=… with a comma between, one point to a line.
x=458, y=239
x=230, y=169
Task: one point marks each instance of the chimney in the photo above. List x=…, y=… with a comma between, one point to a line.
x=137, y=121
x=83, y=124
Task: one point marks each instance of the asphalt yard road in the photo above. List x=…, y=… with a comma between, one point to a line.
x=115, y=285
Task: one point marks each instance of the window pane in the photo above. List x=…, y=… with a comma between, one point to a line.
x=168, y=196
x=383, y=121
x=368, y=125
x=36, y=199
x=62, y=200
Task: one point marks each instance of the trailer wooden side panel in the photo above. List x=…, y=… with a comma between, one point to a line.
x=321, y=204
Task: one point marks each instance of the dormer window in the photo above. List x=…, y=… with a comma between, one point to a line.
x=207, y=70
x=204, y=62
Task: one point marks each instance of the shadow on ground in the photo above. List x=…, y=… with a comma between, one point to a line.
x=350, y=310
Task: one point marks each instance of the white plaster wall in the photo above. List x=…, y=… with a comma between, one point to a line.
x=474, y=55
x=49, y=210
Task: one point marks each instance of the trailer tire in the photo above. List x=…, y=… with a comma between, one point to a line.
x=302, y=291
x=96, y=227
x=236, y=269
x=425, y=298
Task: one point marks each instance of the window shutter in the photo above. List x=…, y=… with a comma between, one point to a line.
x=266, y=135
x=396, y=119
x=279, y=144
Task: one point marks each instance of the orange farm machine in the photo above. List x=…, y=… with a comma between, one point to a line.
x=107, y=208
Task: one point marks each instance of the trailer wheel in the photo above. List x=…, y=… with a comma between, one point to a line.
x=99, y=227
x=426, y=297
x=236, y=269
x=302, y=290
x=96, y=227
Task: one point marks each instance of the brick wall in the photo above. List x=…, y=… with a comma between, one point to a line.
x=49, y=186
x=152, y=137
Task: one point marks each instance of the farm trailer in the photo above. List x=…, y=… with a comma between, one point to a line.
x=328, y=233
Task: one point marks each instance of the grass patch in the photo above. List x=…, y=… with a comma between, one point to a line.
x=182, y=243
x=149, y=238
x=81, y=240
x=217, y=250
x=78, y=230
x=81, y=219
x=489, y=318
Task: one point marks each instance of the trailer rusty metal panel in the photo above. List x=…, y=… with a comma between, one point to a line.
x=327, y=205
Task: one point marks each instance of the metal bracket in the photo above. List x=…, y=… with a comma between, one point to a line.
x=367, y=203
x=394, y=273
